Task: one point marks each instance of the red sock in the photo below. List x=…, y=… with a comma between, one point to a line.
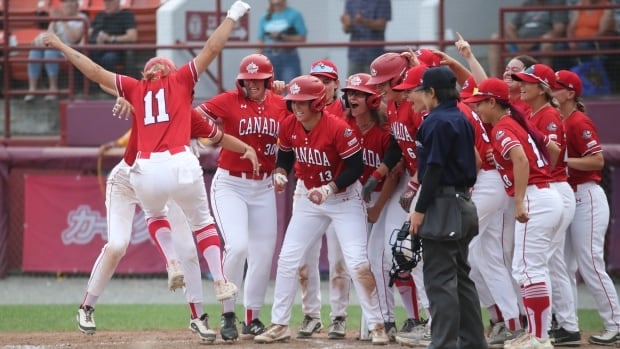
x=409, y=295
x=536, y=302
x=154, y=224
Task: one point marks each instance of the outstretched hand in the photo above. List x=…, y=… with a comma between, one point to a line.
x=463, y=47
x=237, y=10
x=122, y=108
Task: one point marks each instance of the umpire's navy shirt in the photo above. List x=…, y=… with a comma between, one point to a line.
x=446, y=138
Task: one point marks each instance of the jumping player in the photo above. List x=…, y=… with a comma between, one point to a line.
x=327, y=191
x=244, y=202
x=165, y=168
x=120, y=203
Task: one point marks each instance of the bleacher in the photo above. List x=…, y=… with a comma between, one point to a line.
x=24, y=29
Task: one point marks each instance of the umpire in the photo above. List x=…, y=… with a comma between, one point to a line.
x=444, y=216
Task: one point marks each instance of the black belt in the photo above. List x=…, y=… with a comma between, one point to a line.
x=451, y=189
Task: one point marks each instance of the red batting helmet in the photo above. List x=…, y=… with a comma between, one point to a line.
x=307, y=88
x=388, y=66
x=255, y=67
x=359, y=82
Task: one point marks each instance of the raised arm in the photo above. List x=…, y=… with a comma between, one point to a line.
x=90, y=69
x=215, y=43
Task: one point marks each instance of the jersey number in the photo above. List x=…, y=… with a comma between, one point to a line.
x=163, y=116
x=540, y=162
x=326, y=176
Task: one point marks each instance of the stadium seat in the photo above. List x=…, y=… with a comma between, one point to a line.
x=19, y=70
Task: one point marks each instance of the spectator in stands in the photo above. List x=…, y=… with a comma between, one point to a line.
x=365, y=21
x=70, y=32
x=532, y=24
x=114, y=25
x=589, y=23
x=282, y=24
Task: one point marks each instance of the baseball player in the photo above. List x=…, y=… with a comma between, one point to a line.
x=309, y=277
x=120, y=203
x=537, y=83
x=165, y=168
x=387, y=71
x=521, y=159
x=585, y=240
x=328, y=190
x=244, y=202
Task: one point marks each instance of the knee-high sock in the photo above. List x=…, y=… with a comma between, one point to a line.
x=209, y=246
x=536, y=301
x=409, y=295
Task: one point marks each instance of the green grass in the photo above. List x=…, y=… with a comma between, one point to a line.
x=55, y=318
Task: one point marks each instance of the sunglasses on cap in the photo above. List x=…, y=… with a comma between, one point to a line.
x=322, y=68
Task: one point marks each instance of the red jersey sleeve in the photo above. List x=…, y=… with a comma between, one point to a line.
x=202, y=126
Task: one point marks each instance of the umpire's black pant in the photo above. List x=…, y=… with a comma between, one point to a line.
x=454, y=304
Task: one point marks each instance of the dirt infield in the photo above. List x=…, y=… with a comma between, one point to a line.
x=166, y=339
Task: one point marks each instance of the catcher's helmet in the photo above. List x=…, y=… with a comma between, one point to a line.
x=307, y=88
x=406, y=251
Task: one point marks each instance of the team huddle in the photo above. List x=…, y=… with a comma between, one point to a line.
x=542, y=215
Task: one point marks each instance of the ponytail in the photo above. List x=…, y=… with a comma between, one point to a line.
x=538, y=138
x=579, y=105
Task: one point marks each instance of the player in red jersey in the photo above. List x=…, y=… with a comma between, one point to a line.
x=244, y=202
x=165, y=169
x=387, y=71
x=178, y=248
x=585, y=240
x=328, y=191
x=309, y=277
x=537, y=83
x=521, y=159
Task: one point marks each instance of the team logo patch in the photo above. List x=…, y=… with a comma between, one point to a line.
x=294, y=89
x=586, y=134
x=552, y=127
x=252, y=68
x=355, y=80
x=418, y=144
x=499, y=135
x=505, y=141
x=373, y=71
x=348, y=132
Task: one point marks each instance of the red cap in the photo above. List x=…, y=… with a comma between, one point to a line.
x=468, y=87
x=324, y=67
x=490, y=88
x=413, y=78
x=568, y=79
x=536, y=74
x=428, y=57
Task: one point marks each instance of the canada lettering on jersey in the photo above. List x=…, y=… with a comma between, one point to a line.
x=370, y=158
x=258, y=125
x=400, y=132
x=311, y=156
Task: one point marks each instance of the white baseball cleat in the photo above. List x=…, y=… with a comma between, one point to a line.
x=86, y=319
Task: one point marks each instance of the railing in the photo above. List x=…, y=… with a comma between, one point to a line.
x=215, y=73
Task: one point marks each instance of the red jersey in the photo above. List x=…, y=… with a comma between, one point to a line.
x=581, y=140
x=404, y=123
x=375, y=143
x=162, y=108
x=254, y=123
x=201, y=128
x=320, y=152
x=481, y=141
x=335, y=108
x=549, y=122
x=507, y=134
